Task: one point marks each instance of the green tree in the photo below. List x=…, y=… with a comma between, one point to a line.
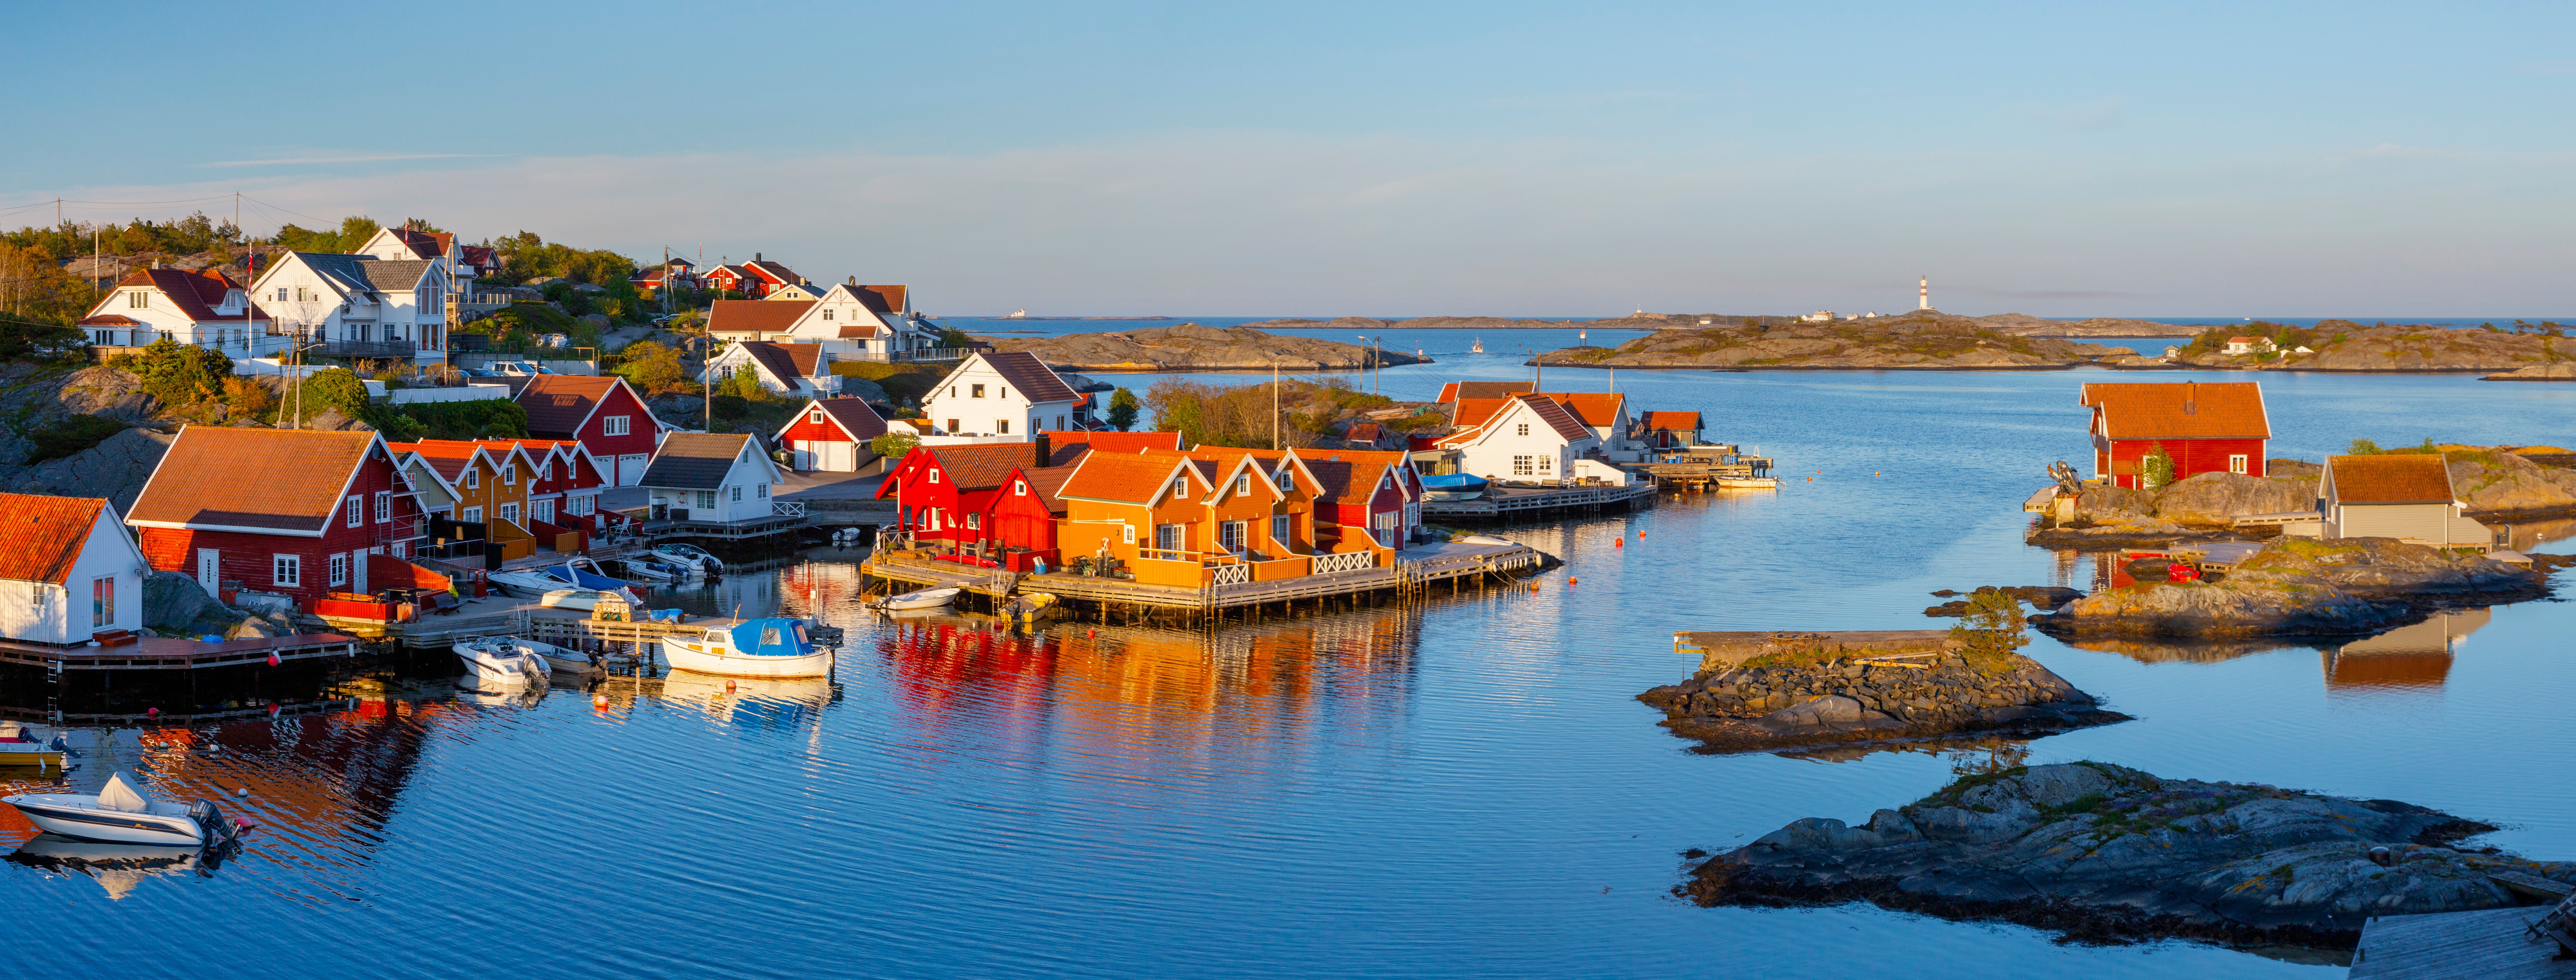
x=180, y=374
x=337, y=388
x=1122, y=409
x=653, y=367
x=2363, y=447
x=894, y=445
x=1992, y=628
x=953, y=337
x=2157, y=469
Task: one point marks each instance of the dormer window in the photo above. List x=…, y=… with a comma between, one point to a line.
x=1181, y=488
x=232, y=299
x=1243, y=483
x=1286, y=482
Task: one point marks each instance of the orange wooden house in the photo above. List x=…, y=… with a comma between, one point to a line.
x=464, y=481
x=1174, y=520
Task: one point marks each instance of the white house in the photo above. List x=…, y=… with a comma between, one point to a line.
x=796, y=290
x=2407, y=496
x=1001, y=393
x=864, y=323
x=206, y=308
x=68, y=570
x=2249, y=345
x=359, y=305
x=1606, y=414
x=1531, y=440
x=796, y=370
x=704, y=476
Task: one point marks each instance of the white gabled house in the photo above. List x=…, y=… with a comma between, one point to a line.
x=864, y=323
x=359, y=305
x=721, y=477
x=1532, y=439
x=1007, y=394
x=68, y=570
x=795, y=370
x=207, y=309
x=832, y=435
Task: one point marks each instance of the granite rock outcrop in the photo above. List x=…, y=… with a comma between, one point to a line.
x=1763, y=691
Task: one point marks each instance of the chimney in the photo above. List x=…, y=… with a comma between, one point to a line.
x=853, y=280
x=755, y=256
x=2190, y=403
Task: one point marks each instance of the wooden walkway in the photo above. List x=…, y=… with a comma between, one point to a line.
x=162, y=653
x=1413, y=568
x=2489, y=944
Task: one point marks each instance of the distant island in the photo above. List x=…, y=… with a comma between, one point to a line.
x=1191, y=347
x=2015, y=324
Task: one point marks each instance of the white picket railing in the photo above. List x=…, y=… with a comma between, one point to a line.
x=1348, y=561
x=777, y=509
x=1230, y=575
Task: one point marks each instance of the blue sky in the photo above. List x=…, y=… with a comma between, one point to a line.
x=2222, y=160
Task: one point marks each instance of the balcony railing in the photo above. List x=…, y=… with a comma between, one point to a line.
x=1348, y=561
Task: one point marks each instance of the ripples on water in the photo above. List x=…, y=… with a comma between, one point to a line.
x=1465, y=787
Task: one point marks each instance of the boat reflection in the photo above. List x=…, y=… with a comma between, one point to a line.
x=1132, y=693
x=776, y=703
x=117, y=867
x=2414, y=656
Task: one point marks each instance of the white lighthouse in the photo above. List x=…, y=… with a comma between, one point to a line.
x=1923, y=300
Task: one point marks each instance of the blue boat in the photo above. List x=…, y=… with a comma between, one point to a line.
x=1453, y=486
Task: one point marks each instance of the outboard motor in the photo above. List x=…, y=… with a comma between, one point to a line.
x=210, y=819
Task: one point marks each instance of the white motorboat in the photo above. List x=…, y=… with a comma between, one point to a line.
x=773, y=647
x=651, y=571
x=120, y=813
x=499, y=660
x=585, y=599
x=921, y=599
x=575, y=573
x=525, y=585
x=559, y=661
x=689, y=556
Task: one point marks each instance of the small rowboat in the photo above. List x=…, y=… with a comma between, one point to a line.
x=1748, y=482
x=18, y=747
x=923, y=599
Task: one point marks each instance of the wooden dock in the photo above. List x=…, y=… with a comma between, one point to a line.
x=2489, y=944
x=1502, y=502
x=1414, y=569
x=156, y=653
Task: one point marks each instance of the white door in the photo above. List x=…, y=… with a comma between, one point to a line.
x=840, y=457
x=804, y=455
x=630, y=470
x=358, y=572
x=210, y=571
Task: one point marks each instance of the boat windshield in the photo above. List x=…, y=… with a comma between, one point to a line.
x=800, y=633
x=769, y=636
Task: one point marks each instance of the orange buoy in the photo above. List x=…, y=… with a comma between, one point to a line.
x=599, y=700
x=1621, y=543
x=1571, y=580
x=1533, y=586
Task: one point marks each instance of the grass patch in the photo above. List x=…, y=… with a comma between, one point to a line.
x=71, y=436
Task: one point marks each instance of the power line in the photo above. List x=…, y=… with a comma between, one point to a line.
x=192, y=200
x=298, y=214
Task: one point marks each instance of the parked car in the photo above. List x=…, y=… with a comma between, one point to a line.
x=520, y=369
x=477, y=373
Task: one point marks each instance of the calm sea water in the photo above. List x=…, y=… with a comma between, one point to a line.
x=1464, y=788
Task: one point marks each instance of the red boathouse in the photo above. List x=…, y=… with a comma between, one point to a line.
x=2205, y=427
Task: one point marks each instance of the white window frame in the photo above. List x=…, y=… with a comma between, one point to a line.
x=384, y=506
x=339, y=569
x=473, y=478
x=1283, y=529
x=473, y=515
x=1129, y=533
x=1240, y=531
x=1521, y=466
x=286, y=571
x=614, y=425
x=974, y=521
x=544, y=511
x=2236, y=463
x=1019, y=488
x=102, y=602
x=706, y=500
x=1242, y=483
x=357, y=507
x=934, y=475
x=736, y=493
x=510, y=511
x=1001, y=427
x=1178, y=534
x=1524, y=428
x=510, y=473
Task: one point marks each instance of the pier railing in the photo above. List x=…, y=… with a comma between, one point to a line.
x=1348, y=561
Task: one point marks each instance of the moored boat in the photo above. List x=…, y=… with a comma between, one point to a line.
x=1748, y=482
x=771, y=647
x=651, y=571
x=19, y=747
x=690, y=557
x=500, y=660
x=121, y=813
x=918, y=599
x=1453, y=486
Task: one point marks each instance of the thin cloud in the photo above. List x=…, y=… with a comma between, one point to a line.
x=380, y=158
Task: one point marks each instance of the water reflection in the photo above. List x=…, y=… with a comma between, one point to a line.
x=118, y=868
x=772, y=703
x=2414, y=656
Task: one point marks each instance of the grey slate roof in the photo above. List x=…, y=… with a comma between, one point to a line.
x=1028, y=374
x=364, y=273
x=694, y=460
x=393, y=275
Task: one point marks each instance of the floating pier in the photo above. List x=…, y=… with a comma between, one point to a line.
x=1415, y=571
x=154, y=653
x=1503, y=502
x=2488, y=944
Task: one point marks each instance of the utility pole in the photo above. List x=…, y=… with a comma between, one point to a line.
x=1274, y=405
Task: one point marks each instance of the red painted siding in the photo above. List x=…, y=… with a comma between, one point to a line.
x=249, y=557
x=1019, y=520
x=2191, y=457
x=808, y=430
x=638, y=439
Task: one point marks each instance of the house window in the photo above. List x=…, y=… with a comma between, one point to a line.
x=2236, y=463
x=737, y=494
x=545, y=511
x=1019, y=488
x=585, y=505
x=1230, y=534
x=974, y=521
x=384, y=506
x=816, y=417
x=1547, y=464
x=952, y=426
x=707, y=499
x=138, y=300
x=1524, y=427
x=1059, y=422
x=614, y=425
x=473, y=478
x=1127, y=533
x=102, y=601
x=510, y=512
x=339, y=569
x=827, y=313
x=1181, y=488
x=1286, y=482
x=510, y=472
x=1167, y=537
x=1001, y=427
x=1280, y=531
x=1521, y=466
x=761, y=490
x=357, y=511
x=975, y=391
x=286, y=571
x=546, y=470
x=1006, y=391
x=281, y=294
x=934, y=476
x=473, y=515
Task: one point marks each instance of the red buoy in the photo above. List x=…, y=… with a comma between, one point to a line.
x=1621, y=543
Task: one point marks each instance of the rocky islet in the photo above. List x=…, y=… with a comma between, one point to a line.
x=1192, y=347
x=2103, y=853
x=1763, y=691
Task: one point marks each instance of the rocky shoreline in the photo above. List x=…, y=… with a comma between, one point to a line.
x=2105, y=854
x=2497, y=484
x=1191, y=347
x=1759, y=691
x=2302, y=587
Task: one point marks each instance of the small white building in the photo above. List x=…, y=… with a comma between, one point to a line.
x=832, y=435
x=207, y=309
x=794, y=370
x=702, y=476
x=68, y=570
x=359, y=305
x=2249, y=345
x=864, y=323
x=1531, y=440
x=1820, y=316
x=2407, y=496
x=1002, y=393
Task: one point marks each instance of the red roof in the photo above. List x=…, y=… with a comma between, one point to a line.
x=195, y=293
x=1456, y=390
x=562, y=402
x=773, y=272
x=41, y=536
x=1065, y=447
x=2190, y=410
x=1135, y=479
x=281, y=480
x=1673, y=421
x=449, y=457
x=755, y=315
x=1473, y=412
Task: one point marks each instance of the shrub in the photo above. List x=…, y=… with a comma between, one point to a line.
x=2156, y=471
x=2362, y=447
x=893, y=444
x=249, y=397
x=72, y=435
x=179, y=374
x=495, y=418
x=1991, y=630
x=654, y=368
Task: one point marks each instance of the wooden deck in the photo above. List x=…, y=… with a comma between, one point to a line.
x=1502, y=501
x=2485, y=945
x=161, y=653
x=562, y=627
x=1414, y=568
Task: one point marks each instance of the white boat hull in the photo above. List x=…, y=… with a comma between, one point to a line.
x=683, y=655
x=108, y=826
x=924, y=599
x=512, y=668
